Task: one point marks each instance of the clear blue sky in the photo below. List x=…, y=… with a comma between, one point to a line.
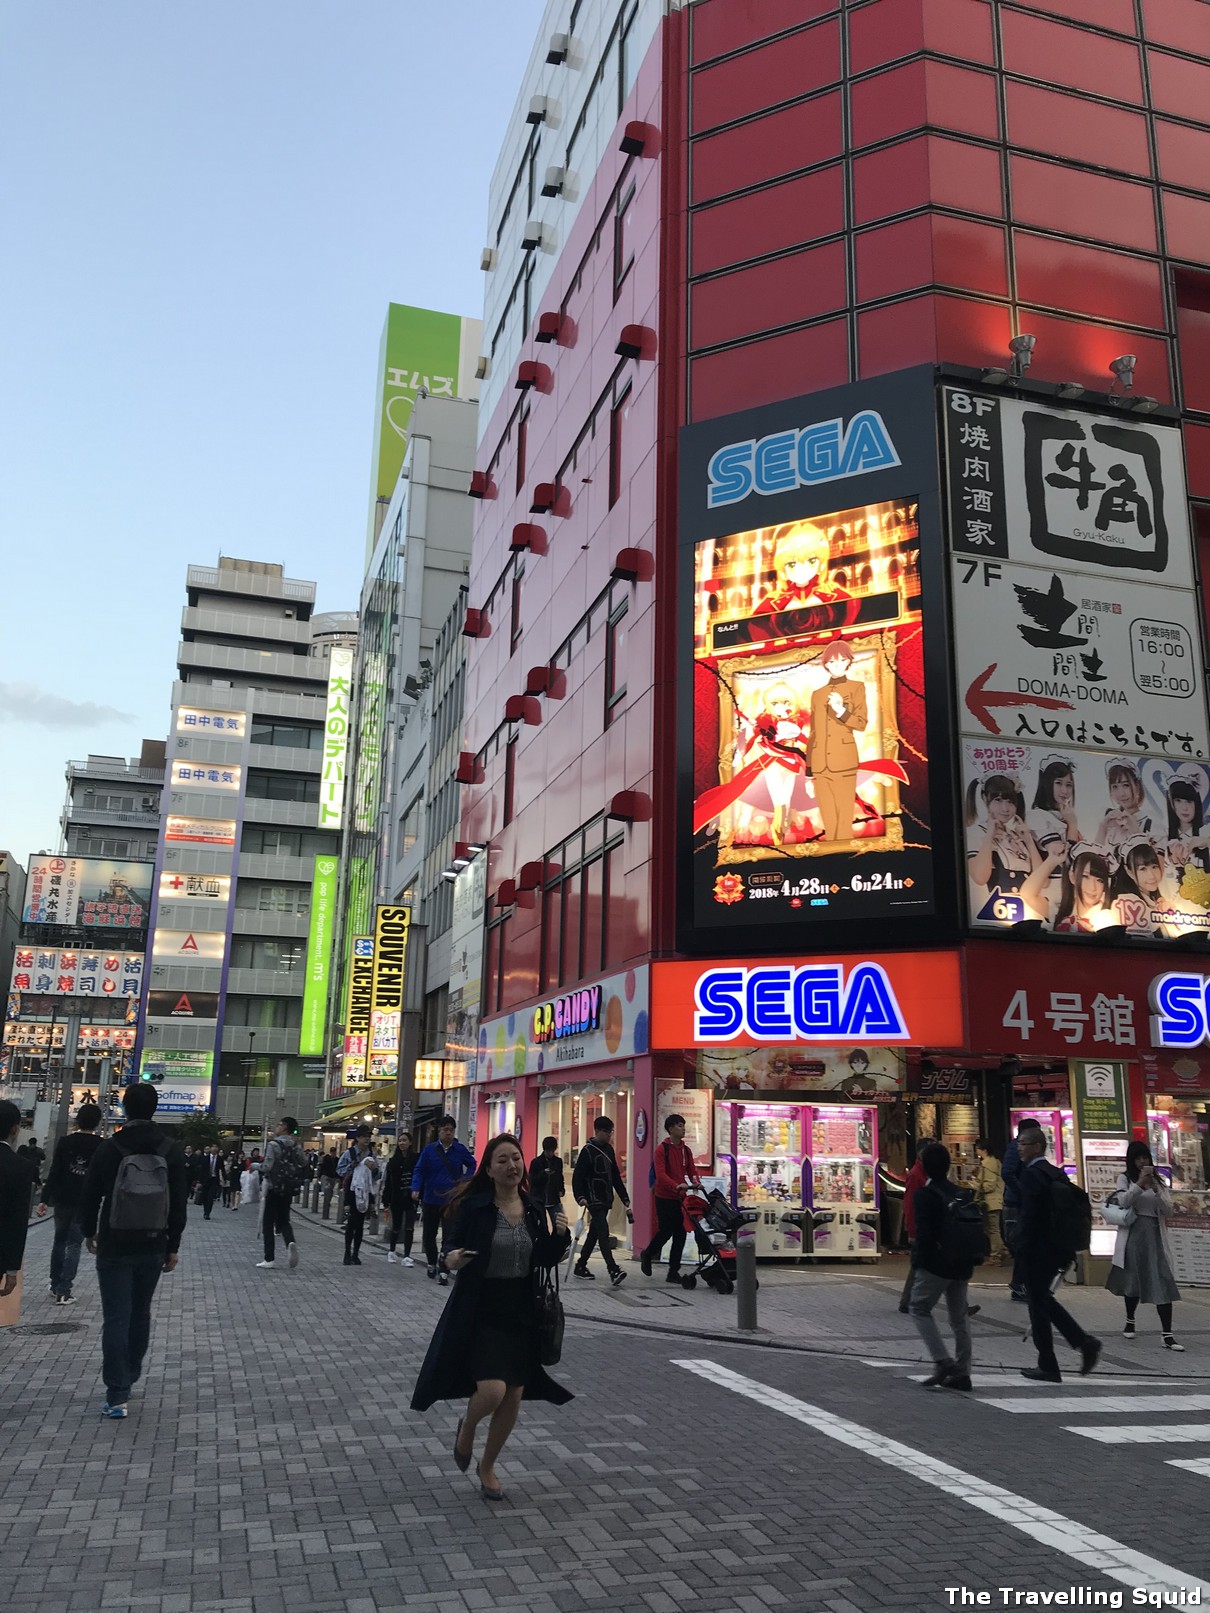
x=207, y=207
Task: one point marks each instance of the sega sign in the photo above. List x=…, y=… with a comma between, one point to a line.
x=1181, y=1010
x=814, y=1003
x=906, y=997
x=827, y=451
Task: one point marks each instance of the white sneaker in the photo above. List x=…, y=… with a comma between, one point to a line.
x=392, y=1258
x=264, y=1265
x=407, y=1261
x=293, y=1256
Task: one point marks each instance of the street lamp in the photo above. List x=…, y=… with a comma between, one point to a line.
x=248, y=1062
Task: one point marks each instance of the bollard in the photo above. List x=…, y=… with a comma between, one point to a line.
x=328, y=1202
x=745, y=1285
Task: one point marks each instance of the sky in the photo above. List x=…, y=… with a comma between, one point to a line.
x=207, y=206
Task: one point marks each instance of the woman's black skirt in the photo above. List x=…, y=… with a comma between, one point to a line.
x=505, y=1343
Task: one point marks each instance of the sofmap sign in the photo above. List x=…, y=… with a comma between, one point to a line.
x=901, y=997
x=827, y=451
x=319, y=954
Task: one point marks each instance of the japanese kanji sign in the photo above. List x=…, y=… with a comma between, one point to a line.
x=336, y=738
x=65, y=972
x=87, y=892
x=1077, y=642
x=205, y=776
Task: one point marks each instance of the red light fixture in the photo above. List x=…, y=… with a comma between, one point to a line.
x=506, y=895
x=548, y=327
x=630, y=806
x=636, y=341
x=474, y=623
x=522, y=708
x=528, y=536
x=469, y=770
x=482, y=485
x=633, y=565
x=639, y=140
x=543, y=499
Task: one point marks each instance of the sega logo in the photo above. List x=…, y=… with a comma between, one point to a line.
x=1182, y=1011
x=825, y=452
x=811, y=1003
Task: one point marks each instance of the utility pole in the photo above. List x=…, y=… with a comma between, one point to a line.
x=248, y=1062
x=71, y=1045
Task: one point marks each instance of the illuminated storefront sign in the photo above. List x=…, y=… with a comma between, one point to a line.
x=59, y=972
x=1181, y=1016
x=804, y=780
x=336, y=738
x=357, y=1013
x=177, y=1004
x=825, y=452
x=200, y=831
x=188, y=946
x=191, y=720
x=176, y=887
x=319, y=956
x=87, y=891
x=900, y=997
x=205, y=776
x=568, y=1016
x=391, y=926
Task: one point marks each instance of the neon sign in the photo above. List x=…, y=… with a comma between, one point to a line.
x=827, y=451
x=573, y=1015
x=810, y=1003
x=1182, y=1010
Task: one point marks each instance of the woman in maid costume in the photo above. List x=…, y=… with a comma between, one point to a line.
x=1125, y=819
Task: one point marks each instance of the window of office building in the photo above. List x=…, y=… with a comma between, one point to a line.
x=257, y=952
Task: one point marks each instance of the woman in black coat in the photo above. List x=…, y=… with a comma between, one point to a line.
x=486, y=1344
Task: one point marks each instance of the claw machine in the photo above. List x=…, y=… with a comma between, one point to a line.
x=840, y=1182
x=759, y=1147
x=1059, y=1130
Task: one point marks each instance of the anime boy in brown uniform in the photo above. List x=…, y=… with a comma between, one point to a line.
x=838, y=711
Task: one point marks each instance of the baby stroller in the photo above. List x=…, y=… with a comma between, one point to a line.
x=714, y=1225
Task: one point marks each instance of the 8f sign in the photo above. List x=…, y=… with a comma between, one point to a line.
x=827, y=451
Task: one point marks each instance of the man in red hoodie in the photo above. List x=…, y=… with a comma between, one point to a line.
x=674, y=1172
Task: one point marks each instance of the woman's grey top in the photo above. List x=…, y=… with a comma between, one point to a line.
x=512, y=1249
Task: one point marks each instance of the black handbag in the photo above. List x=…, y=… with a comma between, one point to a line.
x=550, y=1318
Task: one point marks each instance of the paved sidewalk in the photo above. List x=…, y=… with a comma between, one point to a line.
x=852, y=1310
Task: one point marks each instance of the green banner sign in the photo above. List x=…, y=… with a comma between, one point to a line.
x=1098, y=1090
x=319, y=957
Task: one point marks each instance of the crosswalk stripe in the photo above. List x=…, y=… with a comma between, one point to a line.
x=1155, y=1434
x=1084, y=1545
x=1011, y=1379
x=1136, y=1405
x=1193, y=1464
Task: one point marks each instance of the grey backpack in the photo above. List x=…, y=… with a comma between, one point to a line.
x=139, y=1200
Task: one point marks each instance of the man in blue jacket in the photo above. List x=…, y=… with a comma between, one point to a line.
x=440, y=1168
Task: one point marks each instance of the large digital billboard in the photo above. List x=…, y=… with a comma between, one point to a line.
x=88, y=892
x=1081, y=691
x=809, y=534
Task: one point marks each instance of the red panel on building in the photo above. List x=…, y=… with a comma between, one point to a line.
x=1179, y=23
x=797, y=137
x=1073, y=202
x=720, y=26
x=1111, y=285
x=931, y=249
x=784, y=71
x=1187, y=221
x=1048, y=51
x=1064, y=125
x=927, y=169
x=763, y=371
x=1179, y=86
x=768, y=220
x=909, y=96
x=895, y=28
x=783, y=291
x=1184, y=155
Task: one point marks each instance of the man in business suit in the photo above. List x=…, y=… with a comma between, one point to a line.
x=838, y=711
x=211, y=1178
x=17, y=1178
x=1041, y=1259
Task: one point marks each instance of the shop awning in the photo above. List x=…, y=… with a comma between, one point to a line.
x=349, y=1111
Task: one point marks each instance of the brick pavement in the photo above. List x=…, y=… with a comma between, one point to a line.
x=271, y=1463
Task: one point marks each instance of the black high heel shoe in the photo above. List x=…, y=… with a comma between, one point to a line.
x=463, y=1461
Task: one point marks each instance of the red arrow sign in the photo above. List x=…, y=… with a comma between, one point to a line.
x=980, y=699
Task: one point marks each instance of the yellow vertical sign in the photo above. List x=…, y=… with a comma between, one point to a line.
x=354, y=1070
x=391, y=926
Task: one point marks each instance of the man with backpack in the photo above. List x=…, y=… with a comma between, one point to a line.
x=672, y=1172
x=950, y=1243
x=594, y=1181
x=1055, y=1225
x=283, y=1171
x=440, y=1168
x=132, y=1211
x=61, y=1192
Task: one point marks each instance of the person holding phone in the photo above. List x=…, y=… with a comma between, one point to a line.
x=485, y=1345
x=1139, y=1207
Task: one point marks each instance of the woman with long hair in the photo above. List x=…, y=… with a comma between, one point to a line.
x=397, y=1196
x=486, y=1344
x=1142, y=1267
x=1002, y=855
x=1053, y=815
x=1124, y=819
x=1186, y=837
x=1136, y=888
x=1085, y=905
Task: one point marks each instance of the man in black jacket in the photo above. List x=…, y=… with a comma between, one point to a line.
x=546, y=1176
x=17, y=1177
x=594, y=1182
x=938, y=1274
x=1041, y=1261
x=61, y=1192
x=129, y=1263
x=211, y=1178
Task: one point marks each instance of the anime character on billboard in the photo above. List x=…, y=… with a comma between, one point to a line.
x=1188, y=838
x=1003, y=858
x=801, y=556
x=1125, y=818
x=838, y=712
x=1137, y=889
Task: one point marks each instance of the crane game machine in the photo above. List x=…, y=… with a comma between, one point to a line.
x=760, y=1154
x=840, y=1181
